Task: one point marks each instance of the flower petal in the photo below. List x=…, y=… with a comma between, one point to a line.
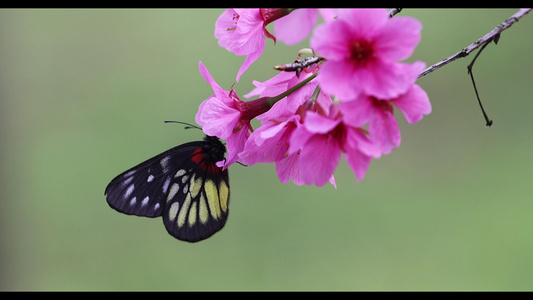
x=330, y=40
x=384, y=131
x=316, y=123
x=413, y=104
x=235, y=145
x=399, y=38
x=319, y=158
x=359, y=163
x=296, y=26
x=216, y=118
x=357, y=112
x=250, y=59
x=339, y=79
x=288, y=168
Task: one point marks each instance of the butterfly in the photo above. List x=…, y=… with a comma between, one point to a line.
x=183, y=185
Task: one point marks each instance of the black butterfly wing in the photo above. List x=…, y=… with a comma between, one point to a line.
x=198, y=200
x=182, y=184
x=142, y=190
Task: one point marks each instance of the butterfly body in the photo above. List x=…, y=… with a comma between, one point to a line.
x=183, y=185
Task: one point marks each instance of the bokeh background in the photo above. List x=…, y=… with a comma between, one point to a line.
x=84, y=93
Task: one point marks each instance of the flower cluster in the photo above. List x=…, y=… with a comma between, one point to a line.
x=343, y=104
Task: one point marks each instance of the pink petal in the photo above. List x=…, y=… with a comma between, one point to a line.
x=271, y=87
x=359, y=163
x=316, y=123
x=289, y=168
x=384, y=131
x=296, y=26
x=385, y=80
x=332, y=181
x=398, y=38
x=207, y=77
x=413, y=104
x=319, y=158
x=365, y=23
x=216, y=118
x=250, y=59
x=357, y=112
x=298, y=139
x=258, y=153
x=224, y=28
x=339, y=79
x=331, y=40
x=235, y=145
x=249, y=35
x=355, y=139
x=267, y=144
x=328, y=14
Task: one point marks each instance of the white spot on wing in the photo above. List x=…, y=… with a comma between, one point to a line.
x=145, y=201
x=180, y=173
x=164, y=163
x=165, y=185
x=173, y=190
x=129, y=190
x=127, y=181
x=133, y=201
x=130, y=173
x=150, y=178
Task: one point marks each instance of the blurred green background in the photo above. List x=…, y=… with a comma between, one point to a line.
x=84, y=93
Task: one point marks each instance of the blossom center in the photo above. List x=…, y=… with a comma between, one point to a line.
x=383, y=105
x=338, y=135
x=235, y=19
x=361, y=51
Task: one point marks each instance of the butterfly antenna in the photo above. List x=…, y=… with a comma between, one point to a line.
x=184, y=123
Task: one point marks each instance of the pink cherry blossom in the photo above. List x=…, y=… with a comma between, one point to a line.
x=379, y=114
x=322, y=139
x=270, y=142
x=224, y=115
x=218, y=114
x=243, y=32
x=362, y=48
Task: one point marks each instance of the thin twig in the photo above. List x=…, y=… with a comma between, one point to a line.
x=470, y=67
x=487, y=37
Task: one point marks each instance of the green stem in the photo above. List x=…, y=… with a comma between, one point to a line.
x=275, y=99
x=315, y=94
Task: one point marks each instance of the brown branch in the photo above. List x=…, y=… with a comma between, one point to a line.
x=299, y=64
x=394, y=11
x=480, y=42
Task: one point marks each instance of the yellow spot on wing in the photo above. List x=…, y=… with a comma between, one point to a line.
x=211, y=193
x=204, y=213
x=192, y=214
x=223, y=192
x=173, y=210
x=184, y=211
x=195, y=186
